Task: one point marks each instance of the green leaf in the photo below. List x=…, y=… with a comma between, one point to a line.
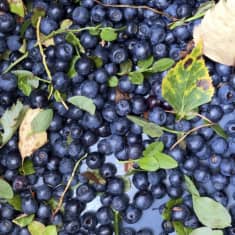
x=26, y=81
x=6, y=191
x=113, y=81
x=191, y=186
x=65, y=24
x=50, y=230
x=168, y=207
x=10, y=121
x=36, y=228
x=53, y=203
x=180, y=229
x=27, y=168
x=42, y=121
x=17, y=7
x=97, y=60
x=24, y=27
x=108, y=34
x=15, y=202
x=72, y=71
x=125, y=67
x=201, y=11
x=37, y=12
x=166, y=161
x=83, y=103
x=23, y=220
x=149, y=128
x=148, y=163
x=211, y=213
x=74, y=40
x=144, y=64
x=206, y=231
x=153, y=148
x=219, y=130
x=162, y=65
x=136, y=77
x=188, y=85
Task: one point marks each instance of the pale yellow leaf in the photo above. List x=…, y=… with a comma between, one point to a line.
x=29, y=142
x=217, y=31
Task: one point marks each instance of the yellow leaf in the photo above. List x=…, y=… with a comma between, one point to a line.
x=29, y=142
x=217, y=31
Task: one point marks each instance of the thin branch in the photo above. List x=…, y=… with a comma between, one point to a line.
x=11, y=66
x=68, y=185
x=41, y=50
x=116, y=223
x=137, y=7
x=190, y=132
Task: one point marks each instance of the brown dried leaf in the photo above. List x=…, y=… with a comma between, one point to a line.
x=29, y=142
x=217, y=31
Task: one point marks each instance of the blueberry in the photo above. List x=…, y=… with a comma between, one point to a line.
x=219, y=145
x=115, y=186
x=141, y=50
x=143, y=199
x=48, y=25
x=8, y=82
x=85, y=193
x=64, y=51
x=104, y=215
x=7, y=23
x=88, y=220
x=13, y=43
x=132, y=214
x=158, y=116
x=140, y=180
x=29, y=205
x=120, y=202
x=127, y=231
x=118, y=55
x=55, y=12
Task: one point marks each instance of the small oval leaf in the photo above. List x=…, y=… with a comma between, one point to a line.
x=162, y=65
x=108, y=34
x=191, y=186
x=42, y=121
x=36, y=228
x=5, y=190
x=23, y=220
x=211, y=213
x=50, y=230
x=148, y=163
x=165, y=161
x=83, y=103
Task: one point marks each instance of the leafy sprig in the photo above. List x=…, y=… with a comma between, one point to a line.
x=154, y=159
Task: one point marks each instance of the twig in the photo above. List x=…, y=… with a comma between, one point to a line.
x=68, y=185
x=137, y=7
x=11, y=66
x=190, y=132
x=116, y=223
x=41, y=50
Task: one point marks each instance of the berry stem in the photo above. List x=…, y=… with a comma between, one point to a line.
x=68, y=185
x=137, y=7
x=116, y=223
x=190, y=132
x=11, y=66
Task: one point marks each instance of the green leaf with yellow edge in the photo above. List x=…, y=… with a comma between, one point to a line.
x=17, y=7
x=23, y=220
x=188, y=85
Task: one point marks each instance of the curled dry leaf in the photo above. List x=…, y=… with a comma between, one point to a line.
x=217, y=31
x=29, y=142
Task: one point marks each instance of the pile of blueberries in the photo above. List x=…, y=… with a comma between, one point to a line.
x=207, y=158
